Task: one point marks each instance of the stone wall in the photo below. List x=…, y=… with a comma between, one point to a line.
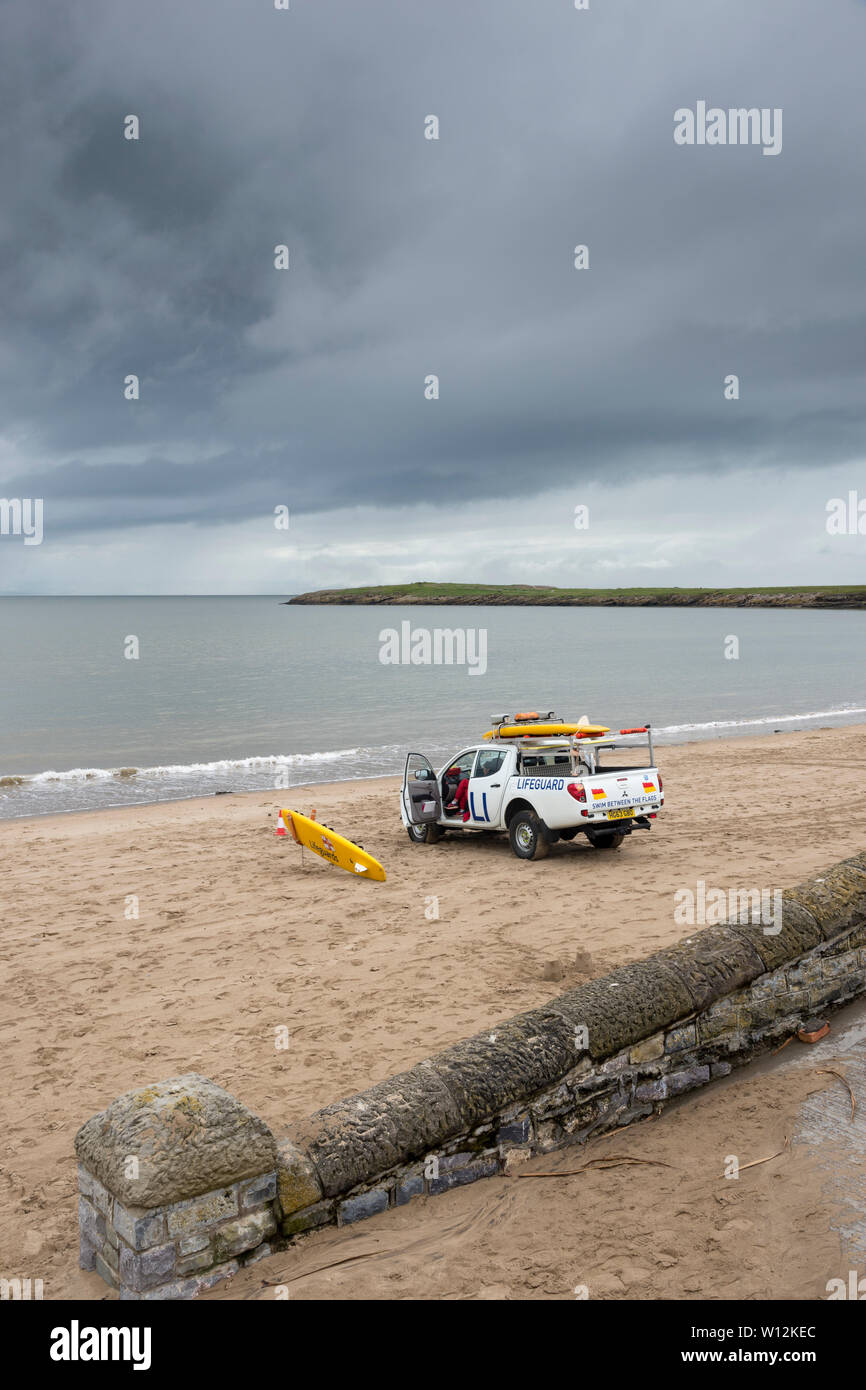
x=180, y=1182
x=176, y=1182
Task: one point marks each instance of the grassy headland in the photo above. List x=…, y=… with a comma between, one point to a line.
x=795, y=596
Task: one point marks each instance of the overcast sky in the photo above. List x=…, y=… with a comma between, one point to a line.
x=410, y=257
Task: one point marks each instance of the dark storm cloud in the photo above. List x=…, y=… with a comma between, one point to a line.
x=411, y=257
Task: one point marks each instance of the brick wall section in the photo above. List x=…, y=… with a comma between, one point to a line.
x=177, y=1250
x=597, y=1057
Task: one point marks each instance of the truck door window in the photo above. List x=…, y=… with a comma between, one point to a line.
x=488, y=762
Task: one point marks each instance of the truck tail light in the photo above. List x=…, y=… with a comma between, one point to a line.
x=577, y=790
x=661, y=783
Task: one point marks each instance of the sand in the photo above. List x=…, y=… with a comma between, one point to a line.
x=238, y=936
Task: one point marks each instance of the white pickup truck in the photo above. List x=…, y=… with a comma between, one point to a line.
x=538, y=789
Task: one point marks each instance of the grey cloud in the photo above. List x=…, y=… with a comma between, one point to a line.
x=410, y=257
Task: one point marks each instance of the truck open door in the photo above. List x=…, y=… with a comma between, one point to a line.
x=422, y=800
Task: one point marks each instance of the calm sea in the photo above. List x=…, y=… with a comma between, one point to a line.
x=240, y=694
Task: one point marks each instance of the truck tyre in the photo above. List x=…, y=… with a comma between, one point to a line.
x=608, y=839
x=424, y=834
x=527, y=837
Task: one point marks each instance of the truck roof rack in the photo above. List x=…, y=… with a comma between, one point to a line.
x=531, y=717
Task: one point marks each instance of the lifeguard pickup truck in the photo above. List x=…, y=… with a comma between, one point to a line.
x=540, y=780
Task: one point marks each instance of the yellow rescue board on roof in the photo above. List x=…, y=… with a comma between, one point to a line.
x=336, y=849
x=547, y=730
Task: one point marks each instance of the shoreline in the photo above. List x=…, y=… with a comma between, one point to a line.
x=345, y=783
x=42, y=816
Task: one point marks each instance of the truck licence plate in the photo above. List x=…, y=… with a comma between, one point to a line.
x=621, y=815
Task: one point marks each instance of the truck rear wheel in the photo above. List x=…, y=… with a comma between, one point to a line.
x=607, y=839
x=425, y=834
x=526, y=836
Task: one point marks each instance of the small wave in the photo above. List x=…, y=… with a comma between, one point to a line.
x=770, y=719
x=217, y=768
x=75, y=774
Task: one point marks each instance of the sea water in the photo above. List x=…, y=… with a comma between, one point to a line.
x=239, y=694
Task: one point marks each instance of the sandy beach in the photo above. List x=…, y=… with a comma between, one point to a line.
x=237, y=936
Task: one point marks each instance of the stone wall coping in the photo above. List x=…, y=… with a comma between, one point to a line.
x=172, y=1141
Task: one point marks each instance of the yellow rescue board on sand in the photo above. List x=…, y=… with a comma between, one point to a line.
x=547, y=730
x=336, y=849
